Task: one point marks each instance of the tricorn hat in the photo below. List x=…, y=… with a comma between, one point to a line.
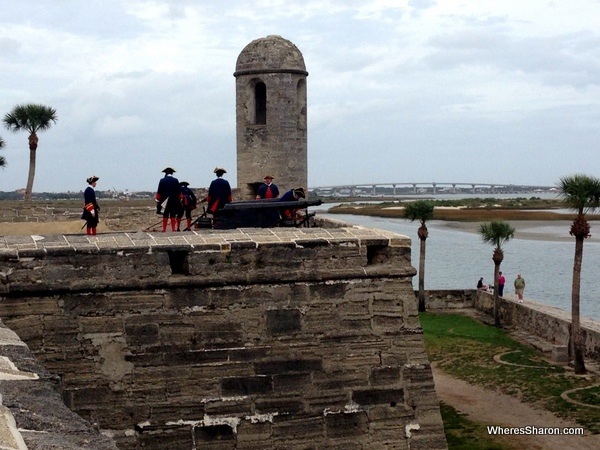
x=169, y=170
x=269, y=177
x=184, y=183
x=219, y=170
x=91, y=179
x=300, y=192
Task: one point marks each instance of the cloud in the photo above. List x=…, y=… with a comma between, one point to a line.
x=119, y=126
x=412, y=90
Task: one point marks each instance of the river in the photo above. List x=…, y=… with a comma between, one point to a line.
x=456, y=259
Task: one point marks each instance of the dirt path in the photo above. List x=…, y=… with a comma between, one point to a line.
x=492, y=408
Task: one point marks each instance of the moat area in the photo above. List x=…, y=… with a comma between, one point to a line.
x=456, y=258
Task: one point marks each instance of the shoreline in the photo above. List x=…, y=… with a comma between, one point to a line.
x=537, y=230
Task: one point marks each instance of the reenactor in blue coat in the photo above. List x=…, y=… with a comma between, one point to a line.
x=219, y=192
x=188, y=203
x=168, y=199
x=90, y=206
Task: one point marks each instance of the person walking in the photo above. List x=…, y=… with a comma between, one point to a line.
x=219, y=192
x=519, y=287
x=268, y=189
x=501, y=282
x=90, y=207
x=168, y=199
x=188, y=204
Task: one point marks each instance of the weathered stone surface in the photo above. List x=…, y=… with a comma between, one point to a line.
x=271, y=110
x=239, y=350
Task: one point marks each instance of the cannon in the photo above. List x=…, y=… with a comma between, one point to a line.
x=263, y=214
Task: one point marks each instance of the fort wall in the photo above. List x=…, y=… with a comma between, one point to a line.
x=254, y=338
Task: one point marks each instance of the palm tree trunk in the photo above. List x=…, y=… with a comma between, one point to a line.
x=576, y=344
x=496, y=306
x=33, y=141
x=422, y=276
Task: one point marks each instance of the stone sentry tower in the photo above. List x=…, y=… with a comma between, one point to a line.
x=271, y=115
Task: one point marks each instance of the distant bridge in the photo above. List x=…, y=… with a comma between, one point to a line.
x=432, y=188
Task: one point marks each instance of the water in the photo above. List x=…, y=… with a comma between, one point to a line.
x=456, y=259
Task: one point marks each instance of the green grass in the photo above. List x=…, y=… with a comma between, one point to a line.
x=465, y=348
x=464, y=434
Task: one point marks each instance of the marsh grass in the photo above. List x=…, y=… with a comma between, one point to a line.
x=470, y=210
x=465, y=348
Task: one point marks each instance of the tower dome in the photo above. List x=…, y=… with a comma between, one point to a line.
x=270, y=54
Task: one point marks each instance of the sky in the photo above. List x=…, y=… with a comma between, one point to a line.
x=486, y=91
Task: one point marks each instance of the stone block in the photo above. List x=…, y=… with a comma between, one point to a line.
x=100, y=324
x=145, y=334
x=384, y=376
x=286, y=366
x=205, y=436
x=346, y=424
x=233, y=386
x=165, y=412
x=292, y=382
x=328, y=291
x=306, y=428
x=180, y=299
x=177, y=334
x=281, y=406
x=196, y=357
x=283, y=321
x=391, y=397
x=254, y=434
x=229, y=406
x=167, y=438
x=27, y=307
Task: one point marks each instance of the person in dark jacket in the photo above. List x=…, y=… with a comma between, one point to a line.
x=188, y=204
x=268, y=189
x=292, y=195
x=90, y=206
x=219, y=192
x=168, y=199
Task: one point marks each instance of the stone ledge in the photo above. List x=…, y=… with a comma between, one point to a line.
x=39, y=246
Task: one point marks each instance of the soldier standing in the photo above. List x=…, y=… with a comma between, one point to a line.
x=168, y=199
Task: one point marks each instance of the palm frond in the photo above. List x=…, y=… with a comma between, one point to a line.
x=420, y=210
x=32, y=117
x=496, y=232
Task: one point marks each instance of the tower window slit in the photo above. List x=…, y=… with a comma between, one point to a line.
x=260, y=103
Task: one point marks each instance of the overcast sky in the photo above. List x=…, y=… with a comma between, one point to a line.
x=398, y=90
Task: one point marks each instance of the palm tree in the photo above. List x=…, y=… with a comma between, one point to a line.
x=581, y=193
x=496, y=233
x=2, y=160
x=422, y=211
x=31, y=118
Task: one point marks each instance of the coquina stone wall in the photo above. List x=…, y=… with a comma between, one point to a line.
x=255, y=338
x=546, y=322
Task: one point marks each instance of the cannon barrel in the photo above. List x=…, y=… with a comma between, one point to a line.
x=273, y=203
x=260, y=213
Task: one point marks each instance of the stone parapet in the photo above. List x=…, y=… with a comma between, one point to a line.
x=59, y=263
x=249, y=338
